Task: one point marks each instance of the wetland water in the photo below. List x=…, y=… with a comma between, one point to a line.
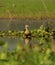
x=18, y=25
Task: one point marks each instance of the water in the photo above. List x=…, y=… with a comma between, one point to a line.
x=18, y=25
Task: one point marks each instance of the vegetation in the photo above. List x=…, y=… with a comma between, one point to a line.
x=38, y=33
x=27, y=8
x=38, y=54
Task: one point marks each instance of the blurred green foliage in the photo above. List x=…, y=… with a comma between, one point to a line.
x=39, y=54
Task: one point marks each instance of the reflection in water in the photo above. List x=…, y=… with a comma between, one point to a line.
x=27, y=41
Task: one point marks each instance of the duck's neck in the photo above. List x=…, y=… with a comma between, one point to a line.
x=27, y=29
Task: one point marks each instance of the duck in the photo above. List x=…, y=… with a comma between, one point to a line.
x=27, y=31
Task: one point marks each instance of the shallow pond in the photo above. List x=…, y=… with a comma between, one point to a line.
x=18, y=25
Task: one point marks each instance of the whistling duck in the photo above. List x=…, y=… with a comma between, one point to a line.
x=27, y=31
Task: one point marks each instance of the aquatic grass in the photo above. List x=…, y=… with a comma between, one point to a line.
x=41, y=32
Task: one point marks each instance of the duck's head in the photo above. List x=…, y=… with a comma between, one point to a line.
x=27, y=26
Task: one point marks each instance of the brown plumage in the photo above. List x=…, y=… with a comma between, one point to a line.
x=27, y=31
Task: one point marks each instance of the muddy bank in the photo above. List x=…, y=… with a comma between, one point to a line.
x=28, y=16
